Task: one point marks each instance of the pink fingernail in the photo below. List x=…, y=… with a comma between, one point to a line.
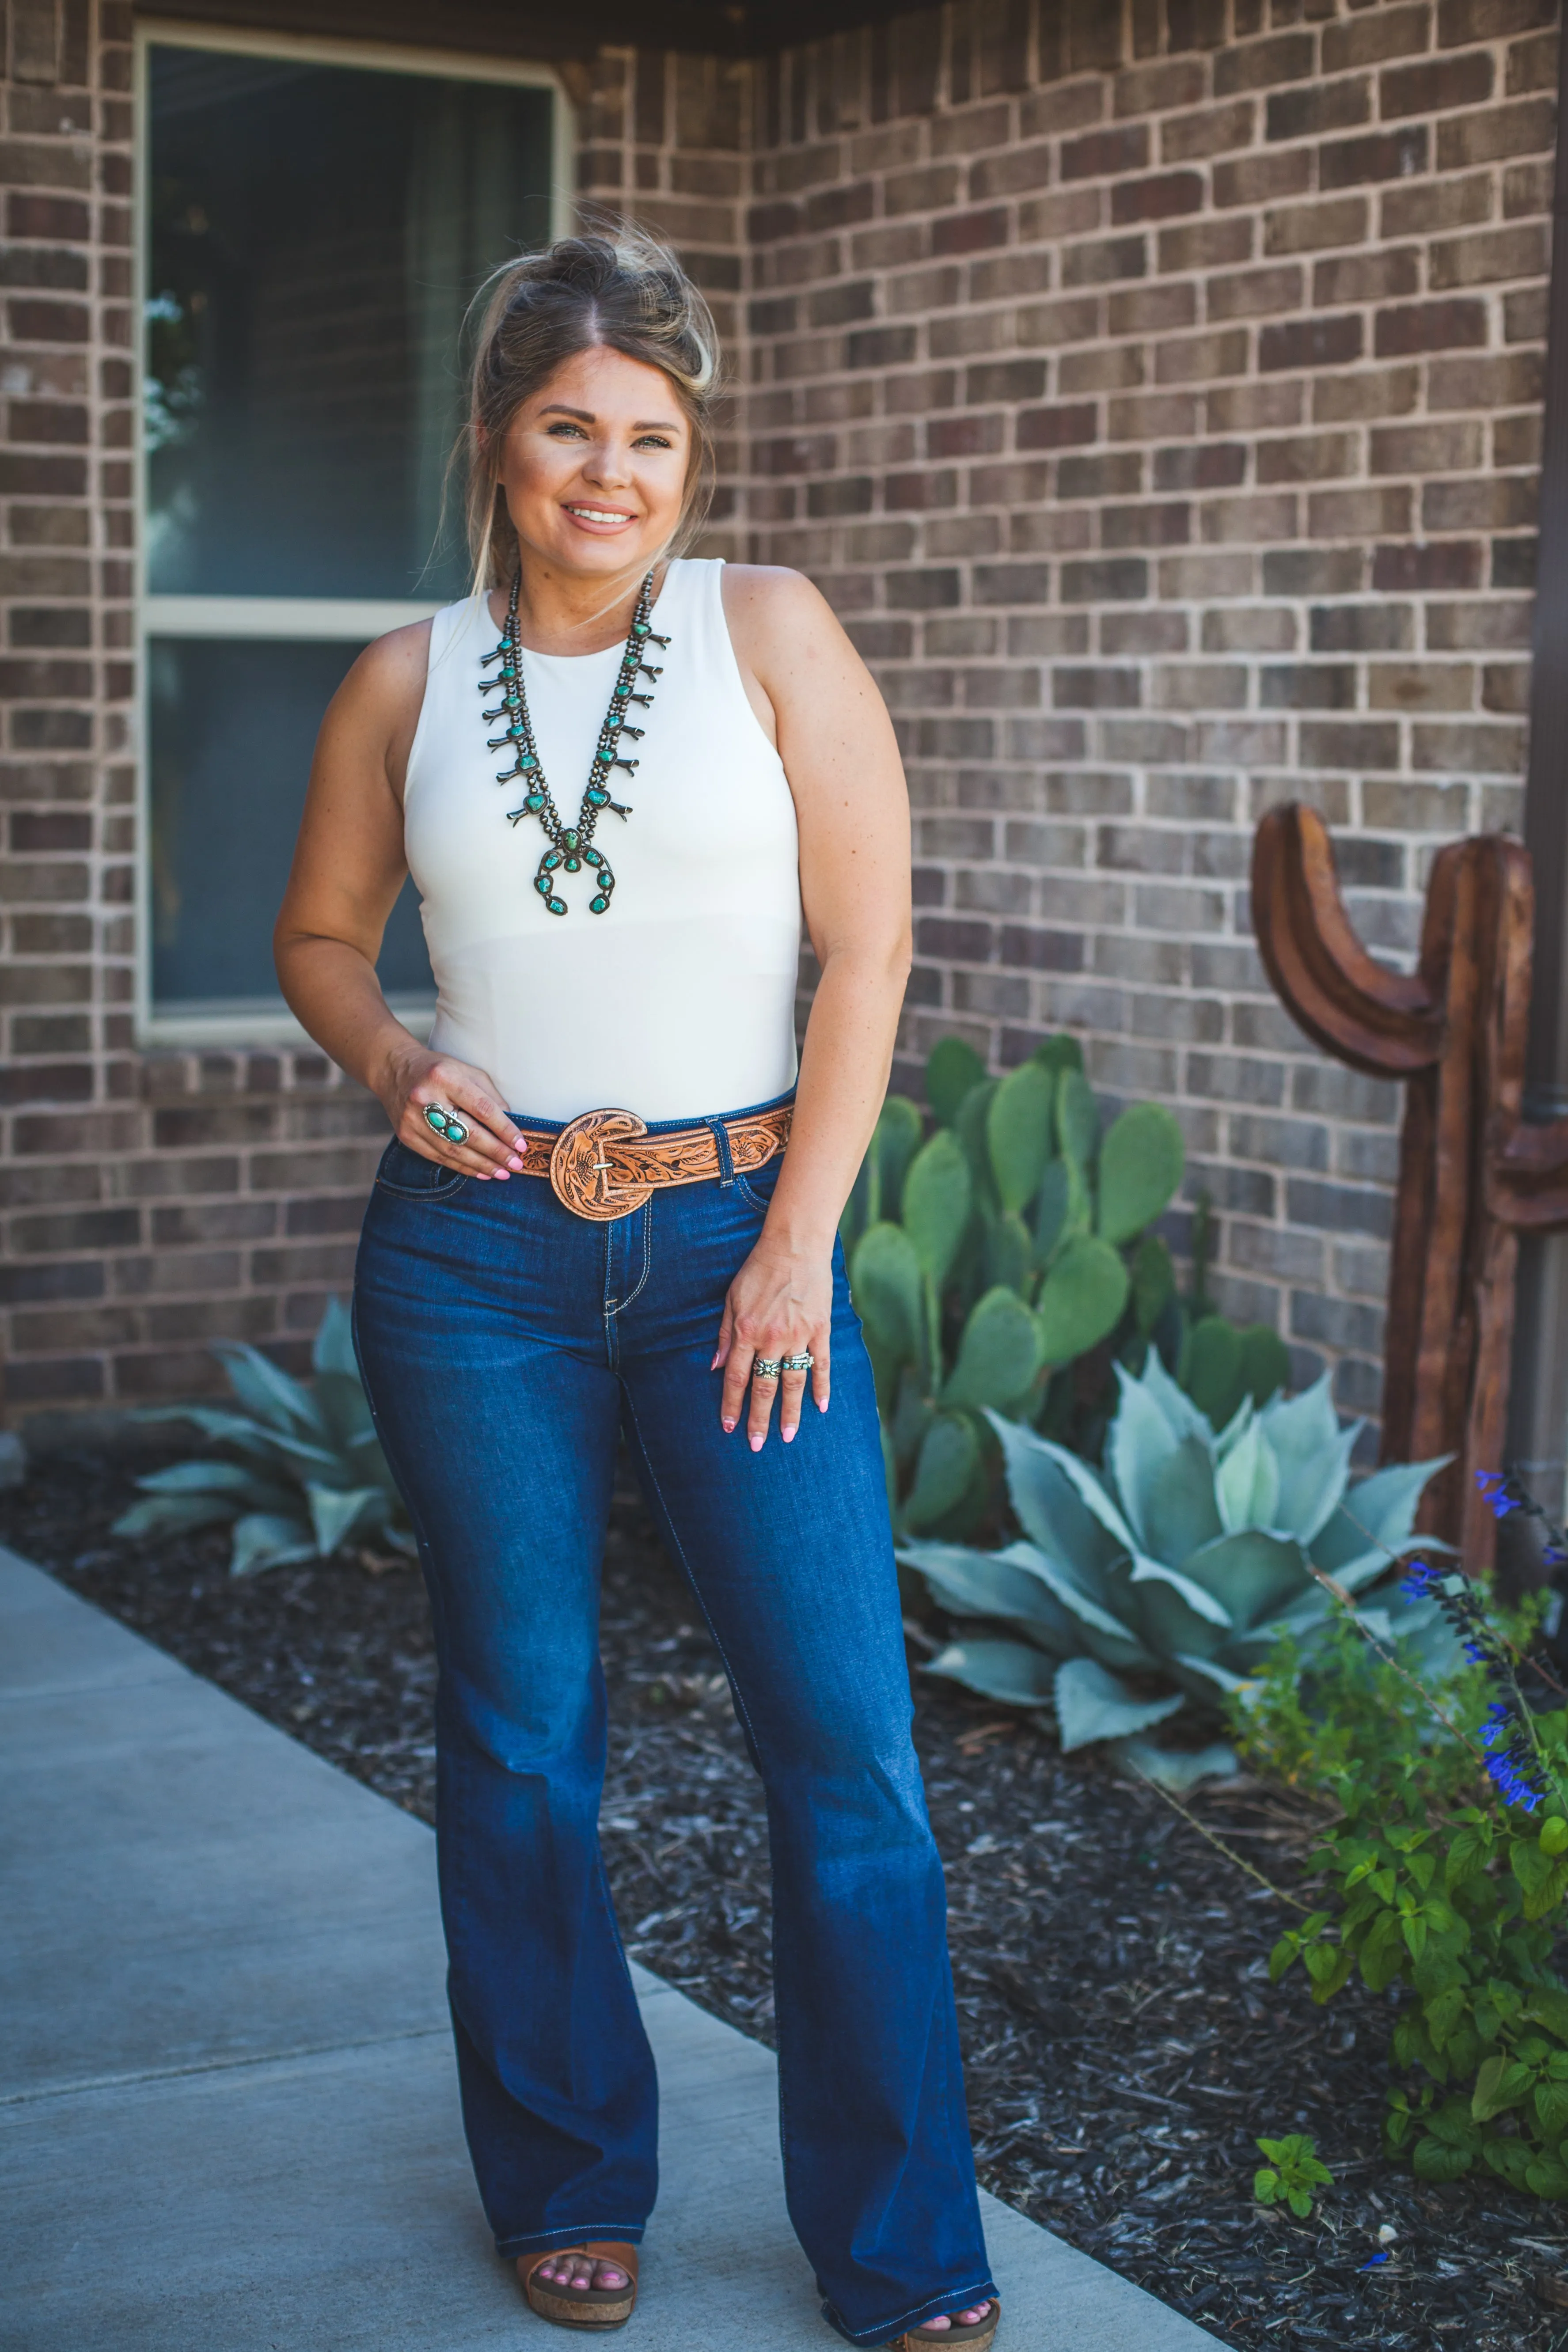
x=729, y=1428
x=501, y=1175
x=822, y=1404
x=714, y=1365
x=757, y=1443
x=787, y=1433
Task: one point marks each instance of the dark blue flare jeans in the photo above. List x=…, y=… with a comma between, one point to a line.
x=504, y=1343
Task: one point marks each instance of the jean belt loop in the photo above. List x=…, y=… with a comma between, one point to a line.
x=726, y=1158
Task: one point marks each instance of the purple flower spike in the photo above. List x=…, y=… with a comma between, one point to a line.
x=1487, y=1479
x=1372, y=2261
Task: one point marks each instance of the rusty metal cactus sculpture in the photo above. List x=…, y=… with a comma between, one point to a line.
x=1472, y=1174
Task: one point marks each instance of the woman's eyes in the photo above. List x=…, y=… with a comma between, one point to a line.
x=564, y=430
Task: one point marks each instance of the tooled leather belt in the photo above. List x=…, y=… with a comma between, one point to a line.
x=605, y=1163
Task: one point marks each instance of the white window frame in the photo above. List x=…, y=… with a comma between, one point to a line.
x=237, y=1022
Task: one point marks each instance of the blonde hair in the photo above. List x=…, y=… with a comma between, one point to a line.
x=620, y=290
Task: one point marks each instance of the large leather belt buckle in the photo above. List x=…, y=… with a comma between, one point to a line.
x=583, y=1175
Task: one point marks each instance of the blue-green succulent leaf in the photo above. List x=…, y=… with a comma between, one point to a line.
x=1378, y=1510
x=1068, y=1587
x=1211, y=1671
x=1094, y=1704
x=284, y=1404
x=337, y=1514
x=1034, y=1491
x=268, y=1539
x=1185, y=1418
x=1247, y=1483
x=213, y=1477
x=160, y=1515
x=1203, y=1603
x=970, y=1583
x=1178, y=1769
x=1253, y=1574
x=1313, y=1453
x=1140, y=1443
x=1013, y=1672
x=1181, y=1513
x=333, y=1348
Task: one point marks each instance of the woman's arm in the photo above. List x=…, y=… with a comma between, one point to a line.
x=348, y=869
x=836, y=742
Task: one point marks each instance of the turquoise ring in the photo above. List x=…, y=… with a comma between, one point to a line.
x=446, y=1123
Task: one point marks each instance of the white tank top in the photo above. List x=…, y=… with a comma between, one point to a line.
x=680, y=999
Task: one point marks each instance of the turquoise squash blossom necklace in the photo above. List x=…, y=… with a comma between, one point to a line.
x=571, y=846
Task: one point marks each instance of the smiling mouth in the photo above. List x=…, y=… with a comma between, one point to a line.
x=601, y=514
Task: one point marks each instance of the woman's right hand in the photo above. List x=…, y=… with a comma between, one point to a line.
x=418, y=1080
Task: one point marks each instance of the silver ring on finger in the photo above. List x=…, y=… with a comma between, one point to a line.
x=801, y=1362
x=766, y=1367
x=445, y=1123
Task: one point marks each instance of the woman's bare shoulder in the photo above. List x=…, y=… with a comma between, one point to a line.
x=778, y=617
x=391, y=669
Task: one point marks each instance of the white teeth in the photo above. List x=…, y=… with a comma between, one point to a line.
x=597, y=514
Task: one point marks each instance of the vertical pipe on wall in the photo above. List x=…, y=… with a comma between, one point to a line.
x=1538, y=1430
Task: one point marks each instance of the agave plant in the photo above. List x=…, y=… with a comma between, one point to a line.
x=990, y=1258
x=307, y=1476
x=1180, y=1564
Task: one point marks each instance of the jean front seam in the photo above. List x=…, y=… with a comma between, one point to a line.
x=746, y=1724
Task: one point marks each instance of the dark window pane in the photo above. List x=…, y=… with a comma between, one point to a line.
x=232, y=729
x=316, y=233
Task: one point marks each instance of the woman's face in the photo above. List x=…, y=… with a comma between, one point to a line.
x=594, y=465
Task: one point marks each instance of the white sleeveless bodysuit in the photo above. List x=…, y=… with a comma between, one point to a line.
x=678, y=1000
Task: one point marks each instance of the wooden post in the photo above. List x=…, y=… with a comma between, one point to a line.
x=1471, y=1174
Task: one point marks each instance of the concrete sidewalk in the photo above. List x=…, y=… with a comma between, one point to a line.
x=228, y=2121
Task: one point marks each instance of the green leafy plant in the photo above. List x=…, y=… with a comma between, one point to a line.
x=992, y=1259
x=1166, y=1579
x=1294, y=2174
x=301, y=1475
x=1443, y=1871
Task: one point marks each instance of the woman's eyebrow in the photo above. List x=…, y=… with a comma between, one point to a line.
x=587, y=416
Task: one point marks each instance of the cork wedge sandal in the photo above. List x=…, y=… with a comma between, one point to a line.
x=588, y=2308
x=974, y=2337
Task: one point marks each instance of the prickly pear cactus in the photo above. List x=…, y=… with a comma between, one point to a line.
x=995, y=1255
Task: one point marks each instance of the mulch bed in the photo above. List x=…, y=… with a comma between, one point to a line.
x=1123, y=2042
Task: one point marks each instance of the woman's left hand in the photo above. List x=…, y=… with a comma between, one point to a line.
x=780, y=1304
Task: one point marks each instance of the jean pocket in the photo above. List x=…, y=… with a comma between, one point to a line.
x=759, y=1187
x=414, y=1178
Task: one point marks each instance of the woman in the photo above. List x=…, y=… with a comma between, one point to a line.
x=618, y=1020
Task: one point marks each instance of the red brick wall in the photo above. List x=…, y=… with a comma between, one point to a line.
x=1156, y=395
x=1154, y=391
